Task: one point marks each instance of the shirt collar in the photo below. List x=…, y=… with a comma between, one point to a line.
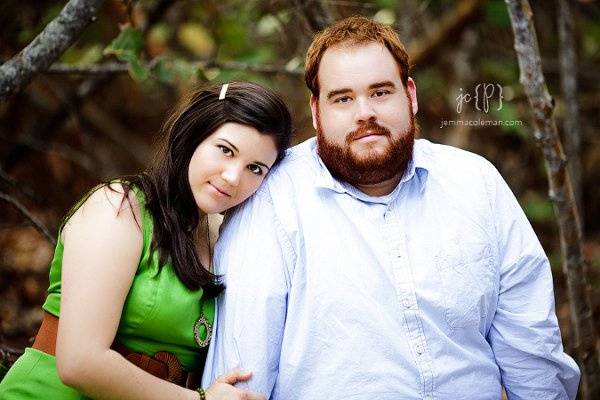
x=417, y=167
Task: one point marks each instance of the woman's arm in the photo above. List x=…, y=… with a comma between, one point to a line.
x=102, y=248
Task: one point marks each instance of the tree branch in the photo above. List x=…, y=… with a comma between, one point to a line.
x=561, y=194
x=56, y=37
x=45, y=129
x=315, y=13
x=568, y=80
x=37, y=224
x=448, y=28
x=119, y=68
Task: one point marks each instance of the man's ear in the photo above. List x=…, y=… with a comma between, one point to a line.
x=314, y=109
x=411, y=90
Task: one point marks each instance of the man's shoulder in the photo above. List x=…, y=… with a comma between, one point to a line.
x=298, y=167
x=438, y=153
x=442, y=160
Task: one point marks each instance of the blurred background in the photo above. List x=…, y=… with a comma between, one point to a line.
x=97, y=112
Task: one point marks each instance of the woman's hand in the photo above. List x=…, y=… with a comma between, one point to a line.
x=223, y=388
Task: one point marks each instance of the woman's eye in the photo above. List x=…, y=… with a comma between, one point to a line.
x=226, y=150
x=255, y=169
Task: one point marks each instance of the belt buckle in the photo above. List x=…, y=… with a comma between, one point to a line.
x=174, y=370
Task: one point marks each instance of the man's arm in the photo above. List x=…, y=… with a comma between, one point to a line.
x=255, y=256
x=524, y=335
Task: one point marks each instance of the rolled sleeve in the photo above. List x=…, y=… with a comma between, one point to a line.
x=254, y=257
x=525, y=335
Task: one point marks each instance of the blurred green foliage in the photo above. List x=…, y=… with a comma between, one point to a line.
x=128, y=47
x=538, y=209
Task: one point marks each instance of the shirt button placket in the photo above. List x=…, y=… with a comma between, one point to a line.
x=405, y=291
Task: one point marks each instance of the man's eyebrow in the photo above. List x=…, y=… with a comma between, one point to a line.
x=377, y=85
x=229, y=143
x=382, y=84
x=336, y=92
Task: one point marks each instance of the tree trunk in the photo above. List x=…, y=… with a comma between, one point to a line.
x=561, y=194
x=568, y=80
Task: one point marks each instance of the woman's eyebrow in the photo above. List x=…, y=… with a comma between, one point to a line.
x=229, y=143
x=262, y=164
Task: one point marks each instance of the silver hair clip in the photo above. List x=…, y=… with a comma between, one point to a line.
x=223, y=91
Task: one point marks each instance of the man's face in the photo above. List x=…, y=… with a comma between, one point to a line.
x=364, y=115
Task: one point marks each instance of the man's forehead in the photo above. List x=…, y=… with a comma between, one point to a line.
x=349, y=65
x=357, y=66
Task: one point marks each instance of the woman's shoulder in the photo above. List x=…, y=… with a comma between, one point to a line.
x=109, y=206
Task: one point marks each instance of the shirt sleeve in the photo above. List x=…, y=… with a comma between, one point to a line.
x=254, y=256
x=524, y=334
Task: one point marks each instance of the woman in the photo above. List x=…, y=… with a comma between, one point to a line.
x=131, y=276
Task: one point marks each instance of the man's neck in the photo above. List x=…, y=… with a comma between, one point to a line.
x=382, y=188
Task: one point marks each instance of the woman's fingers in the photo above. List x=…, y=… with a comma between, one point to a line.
x=250, y=395
x=234, y=376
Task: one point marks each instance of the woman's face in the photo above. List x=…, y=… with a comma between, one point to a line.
x=229, y=165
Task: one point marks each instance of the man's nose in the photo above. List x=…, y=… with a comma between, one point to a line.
x=364, y=110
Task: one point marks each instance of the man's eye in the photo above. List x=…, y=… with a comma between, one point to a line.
x=226, y=150
x=342, y=99
x=380, y=93
x=255, y=169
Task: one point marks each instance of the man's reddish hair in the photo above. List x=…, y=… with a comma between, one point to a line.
x=354, y=30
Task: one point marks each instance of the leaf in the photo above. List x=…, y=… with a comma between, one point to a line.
x=385, y=16
x=195, y=38
x=171, y=70
x=387, y=3
x=496, y=14
x=130, y=42
x=128, y=47
x=538, y=209
x=138, y=70
x=268, y=25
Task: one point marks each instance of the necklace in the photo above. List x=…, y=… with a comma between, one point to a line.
x=202, y=320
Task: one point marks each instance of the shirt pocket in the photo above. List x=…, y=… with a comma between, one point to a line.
x=467, y=280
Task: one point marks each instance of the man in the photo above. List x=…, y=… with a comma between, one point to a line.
x=374, y=266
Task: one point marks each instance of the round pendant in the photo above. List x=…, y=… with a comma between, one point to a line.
x=202, y=321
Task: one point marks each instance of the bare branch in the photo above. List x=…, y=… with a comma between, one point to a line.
x=45, y=129
x=316, y=14
x=448, y=28
x=56, y=37
x=8, y=356
x=23, y=189
x=119, y=68
x=568, y=79
x=37, y=224
x=561, y=194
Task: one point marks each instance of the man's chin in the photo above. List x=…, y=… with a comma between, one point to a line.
x=364, y=152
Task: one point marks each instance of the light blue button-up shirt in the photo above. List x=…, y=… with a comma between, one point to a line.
x=439, y=290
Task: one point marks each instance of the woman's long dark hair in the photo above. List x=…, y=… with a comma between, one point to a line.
x=166, y=186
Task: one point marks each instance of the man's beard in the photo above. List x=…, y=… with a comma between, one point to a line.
x=370, y=167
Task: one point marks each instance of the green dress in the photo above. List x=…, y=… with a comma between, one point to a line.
x=159, y=314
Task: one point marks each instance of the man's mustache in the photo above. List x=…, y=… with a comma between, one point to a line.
x=370, y=127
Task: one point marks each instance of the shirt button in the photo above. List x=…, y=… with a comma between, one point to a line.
x=420, y=349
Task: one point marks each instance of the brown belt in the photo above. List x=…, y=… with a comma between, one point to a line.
x=163, y=365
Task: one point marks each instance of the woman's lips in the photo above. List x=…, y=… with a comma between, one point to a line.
x=219, y=191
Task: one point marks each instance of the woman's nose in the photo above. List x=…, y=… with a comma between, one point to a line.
x=232, y=175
